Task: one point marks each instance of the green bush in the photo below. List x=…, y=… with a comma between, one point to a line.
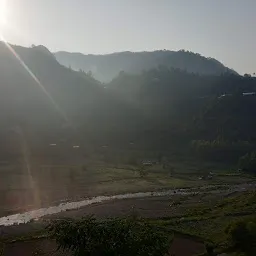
x=248, y=162
x=209, y=247
x=242, y=235
x=118, y=236
x=220, y=150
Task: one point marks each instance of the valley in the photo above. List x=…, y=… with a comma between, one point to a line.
x=163, y=145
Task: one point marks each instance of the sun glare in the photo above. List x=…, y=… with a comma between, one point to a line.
x=3, y=12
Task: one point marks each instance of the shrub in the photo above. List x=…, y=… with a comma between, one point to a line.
x=242, y=235
x=220, y=150
x=209, y=247
x=143, y=173
x=248, y=162
x=118, y=236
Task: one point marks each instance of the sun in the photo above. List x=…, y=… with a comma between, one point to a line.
x=3, y=12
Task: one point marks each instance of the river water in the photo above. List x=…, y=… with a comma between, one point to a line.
x=25, y=217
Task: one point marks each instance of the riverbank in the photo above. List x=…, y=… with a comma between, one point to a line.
x=200, y=215
x=26, y=217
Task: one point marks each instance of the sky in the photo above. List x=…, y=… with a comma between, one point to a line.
x=222, y=29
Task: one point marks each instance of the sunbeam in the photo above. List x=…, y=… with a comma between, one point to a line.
x=23, y=142
x=27, y=164
x=34, y=77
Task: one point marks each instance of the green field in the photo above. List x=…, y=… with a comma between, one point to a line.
x=42, y=185
x=203, y=218
x=209, y=219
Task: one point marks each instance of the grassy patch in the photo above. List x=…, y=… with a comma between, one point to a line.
x=209, y=220
x=1, y=249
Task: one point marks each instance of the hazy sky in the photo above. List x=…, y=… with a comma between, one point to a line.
x=223, y=29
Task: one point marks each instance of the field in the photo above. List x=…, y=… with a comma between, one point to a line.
x=189, y=218
x=193, y=220
x=38, y=185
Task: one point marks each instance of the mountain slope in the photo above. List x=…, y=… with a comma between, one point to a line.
x=49, y=101
x=42, y=79
x=43, y=99
x=154, y=109
x=106, y=67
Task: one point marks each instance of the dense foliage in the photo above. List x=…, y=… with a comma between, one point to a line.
x=106, y=67
x=220, y=150
x=242, y=235
x=159, y=109
x=119, y=236
x=248, y=162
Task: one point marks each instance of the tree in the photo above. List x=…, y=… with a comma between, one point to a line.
x=242, y=235
x=209, y=249
x=89, y=73
x=248, y=162
x=142, y=171
x=118, y=236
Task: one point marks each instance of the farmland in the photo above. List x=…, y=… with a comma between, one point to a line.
x=188, y=218
x=194, y=219
x=39, y=185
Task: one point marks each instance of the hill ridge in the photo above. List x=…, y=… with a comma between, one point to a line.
x=105, y=67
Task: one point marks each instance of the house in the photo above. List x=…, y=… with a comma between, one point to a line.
x=248, y=93
x=147, y=163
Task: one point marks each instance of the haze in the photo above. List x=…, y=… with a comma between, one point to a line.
x=220, y=29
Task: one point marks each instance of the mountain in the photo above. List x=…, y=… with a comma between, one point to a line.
x=31, y=77
x=106, y=67
x=50, y=102
x=157, y=109
x=45, y=100
x=183, y=106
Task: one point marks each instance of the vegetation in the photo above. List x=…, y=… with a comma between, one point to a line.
x=58, y=115
x=220, y=150
x=1, y=249
x=214, y=220
x=106, y=67
x=126, y=236
x=242, y=235
x=227, y=225
x=162, y=108
x=248, y=162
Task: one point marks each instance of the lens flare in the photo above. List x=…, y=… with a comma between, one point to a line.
x=27, y=165
x=34, y=78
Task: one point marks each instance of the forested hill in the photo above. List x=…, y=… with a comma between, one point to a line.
x=41, y=97
x=50, y=102
x=33, y=78
x=106, y=67
x=198, y=106
x=159, y=108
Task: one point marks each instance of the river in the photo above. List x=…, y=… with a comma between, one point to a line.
x=26, y=217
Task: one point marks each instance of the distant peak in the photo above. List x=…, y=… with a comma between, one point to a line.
x=41, y=48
